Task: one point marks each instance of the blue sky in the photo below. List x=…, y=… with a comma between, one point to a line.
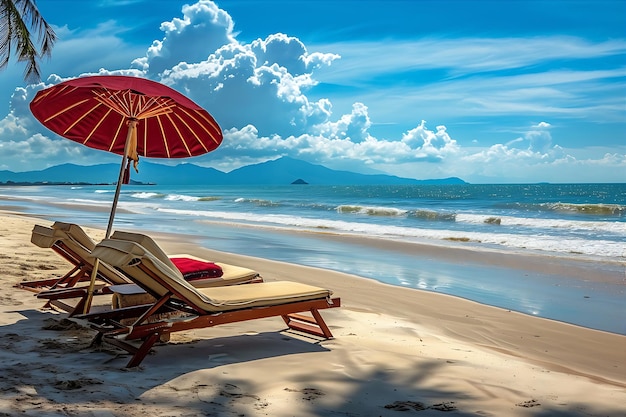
x=488, y=91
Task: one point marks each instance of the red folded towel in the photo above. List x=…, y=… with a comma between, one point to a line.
x=193, y=269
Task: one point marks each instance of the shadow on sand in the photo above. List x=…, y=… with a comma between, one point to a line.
x=48, y=364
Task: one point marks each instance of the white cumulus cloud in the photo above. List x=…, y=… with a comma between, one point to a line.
x=260, y=93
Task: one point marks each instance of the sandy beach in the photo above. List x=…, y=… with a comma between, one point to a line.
x=396, y=352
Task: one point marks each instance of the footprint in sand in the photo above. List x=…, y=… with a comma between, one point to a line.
x=45, y=267
x=446, y=406
x=26, y=266
x=418, y=406
x=308, y=394
x=406, y=406
x=233, y=391
x=9, y=301
x=528, y=404
x=223, y=398
x=72, y=384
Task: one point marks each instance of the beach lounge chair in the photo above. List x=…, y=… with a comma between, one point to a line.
x=199, y=307
x=72, y=243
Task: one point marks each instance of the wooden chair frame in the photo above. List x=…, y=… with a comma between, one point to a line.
x=111, y=330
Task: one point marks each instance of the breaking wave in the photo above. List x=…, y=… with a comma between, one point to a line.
x=371, y=211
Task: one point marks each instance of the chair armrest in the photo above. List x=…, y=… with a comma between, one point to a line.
x=61, y=293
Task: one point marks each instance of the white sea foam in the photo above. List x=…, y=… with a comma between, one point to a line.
x=371, y=210
x=145, y=194
x=138, y=207
x=612, y=227
x=84, y=201
x=133, y=207
x=181, y=197
x=257, y=202
x=600, y=248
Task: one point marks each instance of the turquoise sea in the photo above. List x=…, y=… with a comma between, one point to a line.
x=580, y=224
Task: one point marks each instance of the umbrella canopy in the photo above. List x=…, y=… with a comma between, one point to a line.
x=95, y=111
x=129, y=116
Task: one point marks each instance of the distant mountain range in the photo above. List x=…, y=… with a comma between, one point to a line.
x=277, y=172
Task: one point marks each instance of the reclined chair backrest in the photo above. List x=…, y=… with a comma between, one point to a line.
x=76, y=233
x=79, y=244
x=128, y=256
x=149, y=244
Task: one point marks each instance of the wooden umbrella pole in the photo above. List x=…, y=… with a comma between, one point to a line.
x=132, y=124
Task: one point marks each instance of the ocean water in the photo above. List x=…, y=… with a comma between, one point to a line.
x=564, y=223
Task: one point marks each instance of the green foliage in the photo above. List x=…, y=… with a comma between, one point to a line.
x=17, y=18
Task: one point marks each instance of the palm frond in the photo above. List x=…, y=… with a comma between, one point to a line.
x=16, y=18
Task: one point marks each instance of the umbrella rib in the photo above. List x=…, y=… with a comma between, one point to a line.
x=117, y=133
x=51, y=93
x=144, y=105
x=167, y=148
x=180, y=135
x=134, y=105
x=81, y=118
x=113, y=101
x=151, y=102
x=43, y=94
x=202, y=126
x=65, y=109
x=96, y=126
x=158, y=109
x=183, y=121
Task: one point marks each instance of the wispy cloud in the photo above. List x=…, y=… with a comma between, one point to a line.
x=363, y=61
x=480, y=108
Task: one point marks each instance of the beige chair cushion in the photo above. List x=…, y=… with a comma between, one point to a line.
x=148, y=243
x=232, y=274
x=43, y=237
x=128, y=255
x=76, y=233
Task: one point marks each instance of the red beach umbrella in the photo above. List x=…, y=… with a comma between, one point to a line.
x=129, y=116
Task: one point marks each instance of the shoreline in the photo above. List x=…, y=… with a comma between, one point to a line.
x=537, y=284
x=483, y=360
x=457, y=325
x=610, y=270
x=507, y=278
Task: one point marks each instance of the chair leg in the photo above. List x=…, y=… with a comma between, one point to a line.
x=97, y=340
x=320, y=322
x=313, y=325
x=71, y=278
x=143, y=350
x=79, y=307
